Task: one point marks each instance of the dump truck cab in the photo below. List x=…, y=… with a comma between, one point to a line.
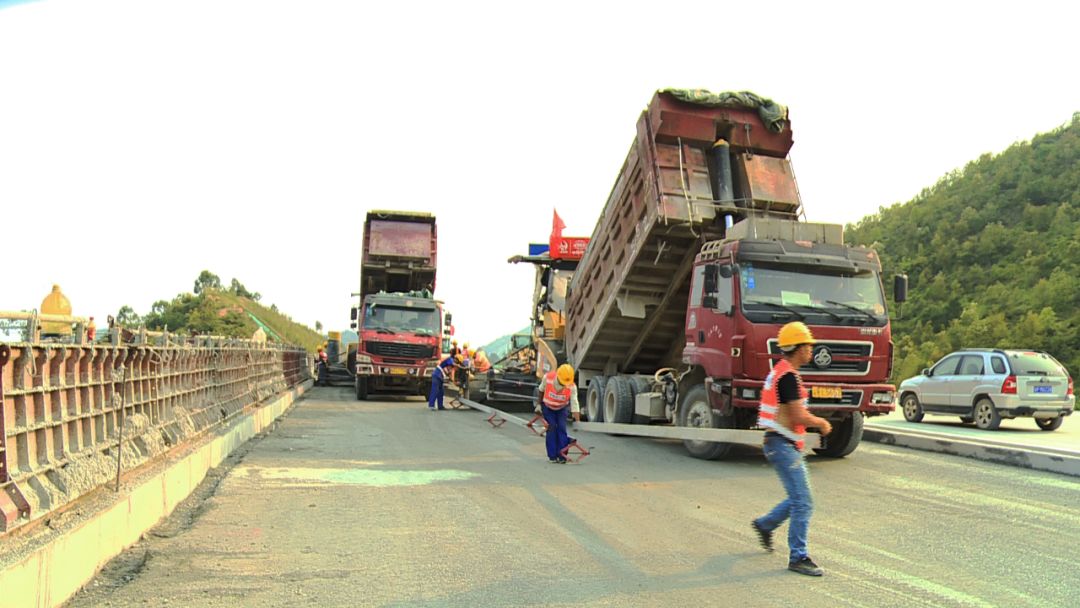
x=748, y=285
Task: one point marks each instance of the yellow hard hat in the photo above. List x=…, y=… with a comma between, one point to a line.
x=794, y=334
x=565, y=374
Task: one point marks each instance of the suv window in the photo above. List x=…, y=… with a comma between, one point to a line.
x=947, y=367
x=971, y=365
x=1034, y=364
x=998, y=364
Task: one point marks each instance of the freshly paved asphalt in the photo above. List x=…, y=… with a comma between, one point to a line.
x=383, y=503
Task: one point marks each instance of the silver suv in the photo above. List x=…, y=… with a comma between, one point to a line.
x=985, y=385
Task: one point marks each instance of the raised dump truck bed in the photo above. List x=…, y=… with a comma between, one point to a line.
x=689, y=167
x=399, y=252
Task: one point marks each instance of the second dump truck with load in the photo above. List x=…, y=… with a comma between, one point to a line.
x=400, y=322
x=696, y=262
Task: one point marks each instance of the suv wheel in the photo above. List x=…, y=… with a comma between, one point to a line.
x=913, y=411
x=986, y=415
x=1049, y=424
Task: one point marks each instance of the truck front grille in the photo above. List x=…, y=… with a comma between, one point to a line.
x=851, y=358
x=400, y=351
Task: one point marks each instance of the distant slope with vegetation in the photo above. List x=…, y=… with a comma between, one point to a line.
x=992, y=253
x=216, y=310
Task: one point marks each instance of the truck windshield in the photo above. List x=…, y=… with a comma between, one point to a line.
x=817, y=295
x=382, y=317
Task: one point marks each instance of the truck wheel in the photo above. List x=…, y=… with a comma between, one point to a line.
x=361, y=389
x=695, y=411
x=844, y=438
x=986, y=415
x=618, y=401
x=913, y=411
x=594, y=399
x=639, y=385
x=1049, y=424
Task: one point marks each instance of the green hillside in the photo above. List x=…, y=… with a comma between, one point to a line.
x=992, y=253
x=222, y=311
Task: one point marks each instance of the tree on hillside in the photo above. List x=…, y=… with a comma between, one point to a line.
x=207, y=280
x=318, y=326
x=127, y=316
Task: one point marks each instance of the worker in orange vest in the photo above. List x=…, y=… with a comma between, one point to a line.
x=784, y=416
x=323, y=363
x=555, y=392
x=481, y=362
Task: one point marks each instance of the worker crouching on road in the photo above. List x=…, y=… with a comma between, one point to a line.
x=784, y=415
x=438, y=384
x=555, y=391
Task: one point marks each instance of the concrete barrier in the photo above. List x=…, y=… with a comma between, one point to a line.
x=1040, y=458
x=49, y=575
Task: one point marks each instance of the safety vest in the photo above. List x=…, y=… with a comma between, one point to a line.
x=770, y=404
x=555, y=399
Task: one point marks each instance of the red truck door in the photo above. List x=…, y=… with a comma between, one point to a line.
x=710, y=321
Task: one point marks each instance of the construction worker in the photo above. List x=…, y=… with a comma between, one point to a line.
x=91, y=331
x=323, y=364
x=438, y=384
x=784, y=415
x=555, y=391
x=481, y=362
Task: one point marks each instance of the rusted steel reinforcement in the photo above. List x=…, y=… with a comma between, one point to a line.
x=62, y=406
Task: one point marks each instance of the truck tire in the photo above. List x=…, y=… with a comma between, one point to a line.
x=695, y=411
x=844, y=438
x=638, y=385
x=594, y=399
x=361, y=389
x=618, y=401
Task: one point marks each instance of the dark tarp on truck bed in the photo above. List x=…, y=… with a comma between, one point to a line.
x=772, y=114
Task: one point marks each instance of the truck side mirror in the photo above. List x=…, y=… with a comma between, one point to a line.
x=900, y=287
x=710, y=278
x=352, y=325
x=448, y=319
x=352, y=315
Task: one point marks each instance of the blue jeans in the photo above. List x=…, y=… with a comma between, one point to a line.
x=556, y=437
x=799, y=504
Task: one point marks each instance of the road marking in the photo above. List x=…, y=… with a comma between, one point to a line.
x=379, y=478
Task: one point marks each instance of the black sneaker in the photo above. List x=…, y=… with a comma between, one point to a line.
x=764, y=537
x=806, y=566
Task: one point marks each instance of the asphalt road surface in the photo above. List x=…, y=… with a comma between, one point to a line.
x=383, y=503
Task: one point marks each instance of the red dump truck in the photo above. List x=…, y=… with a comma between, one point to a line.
x=697, y=261
x=399, y=322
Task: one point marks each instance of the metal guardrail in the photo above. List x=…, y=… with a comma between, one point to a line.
x=73, y=413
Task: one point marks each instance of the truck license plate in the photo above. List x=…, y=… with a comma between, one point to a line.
x=826, y=392
x=1043, y=388
x=398, y=371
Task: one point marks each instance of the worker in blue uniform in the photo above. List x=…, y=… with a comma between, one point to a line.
x=438, y=384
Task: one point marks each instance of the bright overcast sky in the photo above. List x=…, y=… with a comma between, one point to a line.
x=144, y=141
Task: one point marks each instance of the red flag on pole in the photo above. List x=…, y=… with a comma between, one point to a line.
x=557, y=226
